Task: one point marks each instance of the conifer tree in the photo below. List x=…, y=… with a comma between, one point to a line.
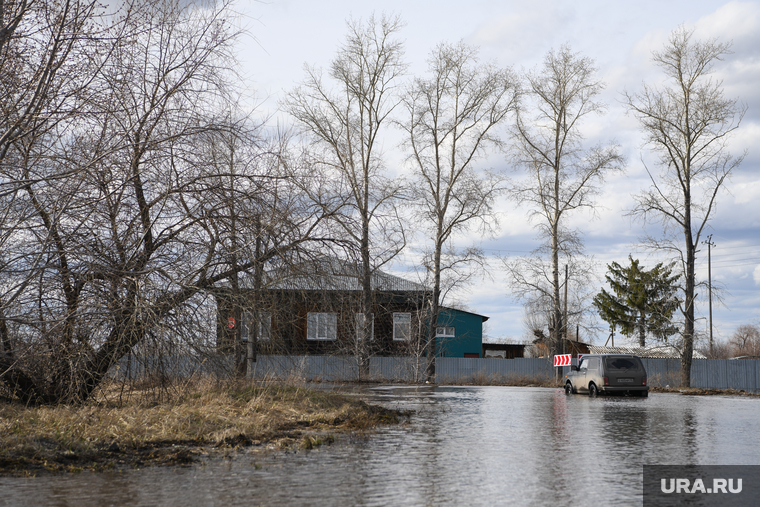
x=641, y=301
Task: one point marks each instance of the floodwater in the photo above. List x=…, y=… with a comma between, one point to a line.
x=462, y=446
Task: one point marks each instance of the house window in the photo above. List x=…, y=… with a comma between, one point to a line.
x=445, y=332
x=265, y=326
x=360, y=326
x=322, y=326
x=402, y=326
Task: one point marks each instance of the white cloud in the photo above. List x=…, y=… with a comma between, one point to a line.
x=620, y=37
x=746, y=192
x=734, y=20
x=527, y=31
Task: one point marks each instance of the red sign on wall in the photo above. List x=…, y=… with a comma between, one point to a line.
x=231, y=322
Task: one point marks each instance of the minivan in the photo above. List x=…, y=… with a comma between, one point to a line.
x=608, y=374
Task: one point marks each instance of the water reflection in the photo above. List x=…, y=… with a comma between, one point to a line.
x=463, y=446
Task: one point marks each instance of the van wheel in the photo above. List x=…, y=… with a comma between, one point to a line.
x=568, y=388
x=643, y=394
x=592, y=390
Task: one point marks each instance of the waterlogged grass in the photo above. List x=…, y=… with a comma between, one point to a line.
x=175, y=424
x=484, y=379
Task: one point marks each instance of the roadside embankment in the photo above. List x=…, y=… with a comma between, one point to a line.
x=175, y=423
x=701, y=391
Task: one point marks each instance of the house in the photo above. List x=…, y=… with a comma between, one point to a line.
x=314, y=310
x=459, y=333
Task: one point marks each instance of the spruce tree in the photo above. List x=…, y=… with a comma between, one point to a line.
x=641, y=301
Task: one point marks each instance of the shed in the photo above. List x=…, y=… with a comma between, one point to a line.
x=504, y=350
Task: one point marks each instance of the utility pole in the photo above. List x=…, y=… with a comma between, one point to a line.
x=709, y=244
x=564, y=318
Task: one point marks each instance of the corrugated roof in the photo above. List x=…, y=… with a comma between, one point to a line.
x=331, y=274
x=654, y=351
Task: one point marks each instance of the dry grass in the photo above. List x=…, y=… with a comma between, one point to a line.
x=663, y=381
x=142, y=425
x=701, y=391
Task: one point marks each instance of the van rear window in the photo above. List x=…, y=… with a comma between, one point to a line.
x=622, y=363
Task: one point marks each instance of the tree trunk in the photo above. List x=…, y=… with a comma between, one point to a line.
x=366, y=307
x=435, y=310
x=688, y=335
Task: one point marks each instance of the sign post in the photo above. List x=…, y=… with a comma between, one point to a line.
x=561, y=360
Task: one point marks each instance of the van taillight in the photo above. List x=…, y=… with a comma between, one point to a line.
x=606, y=381
x=644, y=382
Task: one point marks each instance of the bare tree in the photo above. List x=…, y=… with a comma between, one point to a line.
x=47, y=61
x=118, y=230
x=686, y=124
x=44, y=64
x=344, y=125
x=563, y=175
x=531, y=281
x=452, y=119
x=261, y=206
x=745, y=341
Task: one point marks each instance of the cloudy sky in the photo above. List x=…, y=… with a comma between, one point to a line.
x=283, y=35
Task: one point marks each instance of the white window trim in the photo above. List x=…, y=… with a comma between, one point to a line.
x=265, y=326
x=321, y=326
x=445, y=331
x=403, y=316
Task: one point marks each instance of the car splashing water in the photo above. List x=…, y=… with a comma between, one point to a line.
x=462, y=446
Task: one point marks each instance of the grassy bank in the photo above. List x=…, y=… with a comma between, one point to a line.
x=701, y=391
x=143, y=425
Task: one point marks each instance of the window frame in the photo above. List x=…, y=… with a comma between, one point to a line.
x=264, y=323
x=446, y=333
x=322, y=321
x=407, y=324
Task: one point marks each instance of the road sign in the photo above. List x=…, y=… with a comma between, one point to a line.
x=562, y=359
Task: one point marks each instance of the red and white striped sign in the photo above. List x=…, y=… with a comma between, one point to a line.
x=579, y=358
x=562, y=359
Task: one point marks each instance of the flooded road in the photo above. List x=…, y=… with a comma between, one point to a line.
x=463, y=446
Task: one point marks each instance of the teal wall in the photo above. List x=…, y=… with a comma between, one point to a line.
x=468, y=337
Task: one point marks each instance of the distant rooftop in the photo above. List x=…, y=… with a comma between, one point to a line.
x=654, y=351
x=331, y=274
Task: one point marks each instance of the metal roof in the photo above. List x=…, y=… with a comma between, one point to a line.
x=654, y=351
x=328, y=274
x=450, y=309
